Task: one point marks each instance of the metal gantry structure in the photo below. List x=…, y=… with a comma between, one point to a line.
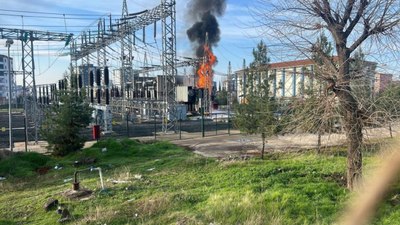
x=126, y=56
x=123, y=31
x=168, y=63
x=32, y=113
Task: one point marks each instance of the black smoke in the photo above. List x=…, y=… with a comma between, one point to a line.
x=204, y=13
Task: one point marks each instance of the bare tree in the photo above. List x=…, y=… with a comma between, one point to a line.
x=349, y=23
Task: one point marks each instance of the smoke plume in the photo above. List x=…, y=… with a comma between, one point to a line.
x=203, y=14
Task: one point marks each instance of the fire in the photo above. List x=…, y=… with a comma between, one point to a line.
x=205, y=72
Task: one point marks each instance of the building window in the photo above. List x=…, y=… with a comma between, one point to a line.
x=1, y=66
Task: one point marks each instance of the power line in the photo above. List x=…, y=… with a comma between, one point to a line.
x=37, y=25
x=52, y=13
x=47, y=17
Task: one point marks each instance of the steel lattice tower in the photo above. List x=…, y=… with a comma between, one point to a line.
x=29, y=87
x=169, y=64
x=32, y=112
x=126, y=53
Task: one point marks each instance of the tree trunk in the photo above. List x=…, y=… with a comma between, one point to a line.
x=353, y=129
x=263, y=145
x=319, y=143
x=351, y=116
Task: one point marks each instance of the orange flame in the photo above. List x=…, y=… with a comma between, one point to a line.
x=205, y=72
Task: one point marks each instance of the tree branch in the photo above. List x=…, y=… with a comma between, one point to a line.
x=347, y=12
x=324, y=11
x=353, y=22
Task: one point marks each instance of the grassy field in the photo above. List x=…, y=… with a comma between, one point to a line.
x=160, y=183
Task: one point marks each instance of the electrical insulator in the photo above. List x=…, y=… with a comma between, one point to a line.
x=106, y=76
x=107, y=96
x=65, y=84
x=98, y=96
x=98, y=76
x=47, y=95
x=91, y=78
x=80, y=80
x=40, y=95
x=91, y=96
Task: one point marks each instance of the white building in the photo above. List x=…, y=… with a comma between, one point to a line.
x=290, y=79
x=4, y=77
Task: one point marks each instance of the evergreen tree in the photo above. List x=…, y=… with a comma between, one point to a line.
x=222, y=97
x=258, y=68
x=360, y=81
x=64, y=122
x=256, y=115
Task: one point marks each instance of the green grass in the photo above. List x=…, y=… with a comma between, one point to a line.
x=23, y=164
x=179, y=187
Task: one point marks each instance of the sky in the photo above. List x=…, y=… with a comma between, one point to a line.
x=238, y=38
x=238, y=25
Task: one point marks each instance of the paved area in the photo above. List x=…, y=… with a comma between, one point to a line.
x=240, y=144
x=236, y=144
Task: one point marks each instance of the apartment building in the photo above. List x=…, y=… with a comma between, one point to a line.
x=4, y=78
x=382, y=80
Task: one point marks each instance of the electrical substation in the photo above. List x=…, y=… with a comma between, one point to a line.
x=148, y=89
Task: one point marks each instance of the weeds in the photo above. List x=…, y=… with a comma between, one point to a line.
x=166, y=184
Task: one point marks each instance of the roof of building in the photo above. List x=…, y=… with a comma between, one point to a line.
x=287, y=64
x=295, y=63
x=384, y=74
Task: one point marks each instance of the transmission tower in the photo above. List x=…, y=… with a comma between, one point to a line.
x=32, y=113
x=127, y=36
x=168, y=63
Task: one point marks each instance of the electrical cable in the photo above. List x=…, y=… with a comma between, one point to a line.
x=38, y=25
x=51, y=13
x=47, y=17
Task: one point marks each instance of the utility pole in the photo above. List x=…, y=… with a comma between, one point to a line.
x=244, y=81
x=229, y=96
x=9, y=42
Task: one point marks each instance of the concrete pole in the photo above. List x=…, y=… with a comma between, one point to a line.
x=9, y=42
